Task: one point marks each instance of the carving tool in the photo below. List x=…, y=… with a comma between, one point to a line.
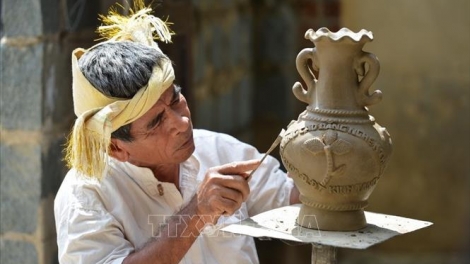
x=273, y=146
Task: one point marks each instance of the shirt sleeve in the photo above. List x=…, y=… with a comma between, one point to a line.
x=91, y=236
x=270, y=187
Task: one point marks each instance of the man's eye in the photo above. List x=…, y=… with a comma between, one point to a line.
x=156, y=122
x=156, y=125
x=177, y=100
x=159, y=122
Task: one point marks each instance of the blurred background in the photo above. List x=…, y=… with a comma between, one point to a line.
x=235, y=60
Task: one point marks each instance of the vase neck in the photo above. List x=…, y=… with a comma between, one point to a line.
x=338, y=82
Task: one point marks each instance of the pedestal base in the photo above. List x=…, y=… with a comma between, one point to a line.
x=315, y=218
x=280, y=223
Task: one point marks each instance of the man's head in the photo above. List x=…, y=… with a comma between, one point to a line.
x=164, y=133
x=124, y=97
x=120, y=69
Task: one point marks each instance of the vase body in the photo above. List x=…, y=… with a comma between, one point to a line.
x=335, y=151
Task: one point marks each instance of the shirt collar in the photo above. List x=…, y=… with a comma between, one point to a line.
x=144, y=177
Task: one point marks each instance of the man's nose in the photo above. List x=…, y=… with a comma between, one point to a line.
x=179, y=122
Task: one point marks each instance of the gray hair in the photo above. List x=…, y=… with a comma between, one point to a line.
x=120, y=69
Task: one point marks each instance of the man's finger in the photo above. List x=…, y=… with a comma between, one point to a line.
x=238, y=168
x=233, y=182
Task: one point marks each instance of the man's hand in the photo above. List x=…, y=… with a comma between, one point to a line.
x=224, y=189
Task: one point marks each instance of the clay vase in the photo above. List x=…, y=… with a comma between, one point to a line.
x=335, y=151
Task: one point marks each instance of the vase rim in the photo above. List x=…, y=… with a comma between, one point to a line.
x=340, y=34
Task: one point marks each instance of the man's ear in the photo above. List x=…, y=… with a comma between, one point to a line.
x=118, y=150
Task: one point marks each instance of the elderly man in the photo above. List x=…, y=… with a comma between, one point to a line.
x=144, y=186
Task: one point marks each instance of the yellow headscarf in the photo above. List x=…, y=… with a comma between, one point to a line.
x=99, y=115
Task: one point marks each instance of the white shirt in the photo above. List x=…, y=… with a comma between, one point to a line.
x=103, y=222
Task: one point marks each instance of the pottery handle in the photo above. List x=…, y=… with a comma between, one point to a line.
x=302, y=62
x=369, y=77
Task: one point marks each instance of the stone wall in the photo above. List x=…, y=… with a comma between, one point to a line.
x=423, y=48
x=36, y=115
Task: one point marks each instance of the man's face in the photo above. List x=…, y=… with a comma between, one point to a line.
x=164, y=134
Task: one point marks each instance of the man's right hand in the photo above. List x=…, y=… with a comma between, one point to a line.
x=223, y=190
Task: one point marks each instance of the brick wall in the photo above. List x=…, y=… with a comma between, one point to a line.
x=36, y=115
